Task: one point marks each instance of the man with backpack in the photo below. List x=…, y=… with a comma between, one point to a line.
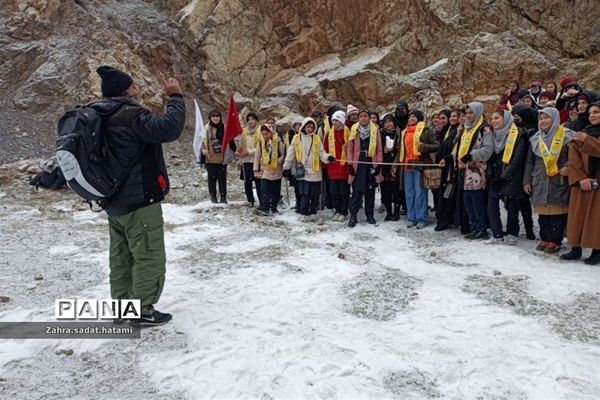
x=133, y=136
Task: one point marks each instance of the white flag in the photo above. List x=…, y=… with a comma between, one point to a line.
x=199, y=133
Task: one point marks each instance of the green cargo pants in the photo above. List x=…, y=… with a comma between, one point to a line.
x=137, y=256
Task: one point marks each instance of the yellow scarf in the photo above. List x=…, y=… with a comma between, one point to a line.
x=272, y=162
x=372, y=137
x=331, y=139
x=551, y=155
x=455, y=142
x=255, y=138
x=467, y=137
x=510, y=144
x=417, y=138
x=316, y=146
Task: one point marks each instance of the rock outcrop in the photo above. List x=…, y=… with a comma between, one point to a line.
x=284, y=57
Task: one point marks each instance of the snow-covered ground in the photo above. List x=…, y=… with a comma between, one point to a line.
x=275, y=308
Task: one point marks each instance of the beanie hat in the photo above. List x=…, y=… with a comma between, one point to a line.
x=351, y=110
x=114, y=82
x=339, y=116
x=571, y=85
x=548, y=95
x=566, y=80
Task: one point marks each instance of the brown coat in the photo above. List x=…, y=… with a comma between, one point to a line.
x=583, y=228
x=271, y=174
x=208, y=144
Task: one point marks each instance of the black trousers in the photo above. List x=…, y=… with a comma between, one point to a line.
x=526, y=212
x=270, y=193
x=390, y=195
x=356, y=200
x=460, y=213
x=493, y=211
x=217, y=173
x=552, y=228
x=327, y=200
x=247, y=176
x=446, y=206
x=339, y=193
x=309, y=196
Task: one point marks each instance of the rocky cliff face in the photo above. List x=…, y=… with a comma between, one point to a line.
x=283, y=57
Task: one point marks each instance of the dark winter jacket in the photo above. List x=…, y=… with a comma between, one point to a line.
x=445, y=153
x=134, y=133
x=508, y=179
x=386, y=170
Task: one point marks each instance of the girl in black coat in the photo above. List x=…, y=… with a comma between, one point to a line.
x=505, y=176
x=446, y=157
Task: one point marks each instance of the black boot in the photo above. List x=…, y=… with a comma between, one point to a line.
x=389, y=214
x=371, y=220
x=352, y=222
x=574, y=254
x=594, y=258
x=223, y=199
x=396, y=213
x=530, y=234
x=213, y=198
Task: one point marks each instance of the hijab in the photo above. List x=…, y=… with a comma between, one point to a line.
x=549, y=135
x=501, y=134
x=478, y=110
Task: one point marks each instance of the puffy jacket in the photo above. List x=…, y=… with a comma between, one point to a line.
x=133, y=132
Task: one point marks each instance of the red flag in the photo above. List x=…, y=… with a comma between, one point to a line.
x=232, y=123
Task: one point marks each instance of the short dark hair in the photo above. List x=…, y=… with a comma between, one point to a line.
x=251, y=115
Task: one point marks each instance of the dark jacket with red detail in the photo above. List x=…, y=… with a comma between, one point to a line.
x=133, y=132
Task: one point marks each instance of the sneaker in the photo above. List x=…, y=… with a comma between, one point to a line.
x=388, y=217
x=260, y=211
x=421, y=225
x=594, y=258
x=542, y=246
x=511, y=240
x=341, y=218
x=154, y=319
x=411, y=224
x=335, y=217
x=223, y=200
x=574, y=254
x=469, y=236
x=495, y=240
x=552, y=248
x=371, y=220
x=275, y=211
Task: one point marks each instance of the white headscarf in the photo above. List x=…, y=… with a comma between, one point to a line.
x=549, y=135
x=501, y=134
x=477, y=109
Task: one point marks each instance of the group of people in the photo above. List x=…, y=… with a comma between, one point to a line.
x=538, y=151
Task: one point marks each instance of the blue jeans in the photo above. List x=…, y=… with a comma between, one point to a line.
x=475, y=204
x=416, y=197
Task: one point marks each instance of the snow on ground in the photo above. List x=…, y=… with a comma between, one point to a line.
x=274, y=308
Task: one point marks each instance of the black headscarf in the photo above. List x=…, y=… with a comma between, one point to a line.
x=418, y=114
x=401, y=114
x=444, y=129
x=529, y=118
x=594, y=131
x=220, y=127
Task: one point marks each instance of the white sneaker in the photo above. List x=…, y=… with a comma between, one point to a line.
x=511, y=240
x=494, y=240
x=335, y=217
x=421, y=225
x=341, y=218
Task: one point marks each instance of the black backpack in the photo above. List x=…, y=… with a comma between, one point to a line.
x=87, y=165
